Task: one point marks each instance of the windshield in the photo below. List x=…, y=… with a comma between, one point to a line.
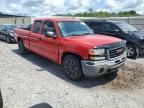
x=126, y=27
x=73, y=28
x=10, y=27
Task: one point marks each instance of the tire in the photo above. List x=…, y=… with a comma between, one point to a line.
x=132, y=51
x=72, y=67
x=7, y=39
x=22, y=48
x=1, y=101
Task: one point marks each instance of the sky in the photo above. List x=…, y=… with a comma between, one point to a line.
x=52, y=7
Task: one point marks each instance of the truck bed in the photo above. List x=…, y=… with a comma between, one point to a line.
x=22, y=32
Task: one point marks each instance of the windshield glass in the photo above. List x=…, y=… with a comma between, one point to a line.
x=126, y=27
x=10, y=27
x=73, y=28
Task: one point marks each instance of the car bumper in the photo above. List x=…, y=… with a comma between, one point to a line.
x=98, y=68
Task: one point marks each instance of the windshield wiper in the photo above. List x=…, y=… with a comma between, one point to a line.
x=87, y=34
x=73, y=35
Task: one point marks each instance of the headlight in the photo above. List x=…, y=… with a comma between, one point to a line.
x=97, y=54
x=12, y=34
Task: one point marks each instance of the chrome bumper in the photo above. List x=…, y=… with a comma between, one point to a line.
x=98, y=68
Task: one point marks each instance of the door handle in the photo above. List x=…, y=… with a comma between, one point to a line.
x=40, y=39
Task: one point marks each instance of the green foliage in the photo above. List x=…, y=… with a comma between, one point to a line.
x=91, y=13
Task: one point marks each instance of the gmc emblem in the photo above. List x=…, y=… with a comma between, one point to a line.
x=120, y=50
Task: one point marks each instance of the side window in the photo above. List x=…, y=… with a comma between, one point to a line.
x=96, y=26
x=48, y=26
x=107, y=27
x=37, y=25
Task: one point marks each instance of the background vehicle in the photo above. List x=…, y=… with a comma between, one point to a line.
x=122, y=30
x=7, y=33
x=70, y=42
x=1, y=101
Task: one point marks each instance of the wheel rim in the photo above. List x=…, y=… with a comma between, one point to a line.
x=130, y=51
x=71, y=68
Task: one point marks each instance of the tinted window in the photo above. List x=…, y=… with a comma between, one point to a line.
x=48, y=26
x=96, y=26
x=37, y=26
x=107, y=27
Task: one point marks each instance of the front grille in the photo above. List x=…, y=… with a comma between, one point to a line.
x=116, y=52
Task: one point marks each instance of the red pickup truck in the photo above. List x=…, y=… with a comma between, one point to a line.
x=71, y=42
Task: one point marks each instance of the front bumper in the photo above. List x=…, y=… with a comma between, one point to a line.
x=98, y=68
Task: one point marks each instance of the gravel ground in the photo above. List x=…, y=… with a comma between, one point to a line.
x=29, y=80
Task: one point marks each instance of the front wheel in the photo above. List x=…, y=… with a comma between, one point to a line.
x=132, y=51
x=22, y=48
x=72, y=67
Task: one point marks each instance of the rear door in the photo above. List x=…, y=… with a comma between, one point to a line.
x=35, y=36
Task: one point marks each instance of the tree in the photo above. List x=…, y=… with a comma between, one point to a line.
x=91, y=13
x=90, y=10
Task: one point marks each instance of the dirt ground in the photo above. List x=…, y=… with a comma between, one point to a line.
x=30, y=80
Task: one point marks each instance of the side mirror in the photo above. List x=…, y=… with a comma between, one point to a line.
x=92, y=30
x=50, y=34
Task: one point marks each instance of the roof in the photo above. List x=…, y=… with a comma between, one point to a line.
x=59, y=19
x=101, y=20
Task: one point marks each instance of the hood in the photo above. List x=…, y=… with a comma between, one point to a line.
x=94, y=40
x=139, y=33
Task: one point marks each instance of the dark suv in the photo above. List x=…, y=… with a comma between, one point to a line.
x=134, y=38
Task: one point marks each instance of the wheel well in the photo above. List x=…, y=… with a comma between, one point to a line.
x=69, y=53
x=133, y=44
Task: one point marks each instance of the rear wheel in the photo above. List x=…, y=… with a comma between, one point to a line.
x=132, y=51
x=22, y=48
x=72, y=67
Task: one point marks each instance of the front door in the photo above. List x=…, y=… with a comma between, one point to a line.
x=110, y=30
x=49, y=44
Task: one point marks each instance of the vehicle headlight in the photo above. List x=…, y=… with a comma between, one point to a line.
x=12, y=34
x=97, y=54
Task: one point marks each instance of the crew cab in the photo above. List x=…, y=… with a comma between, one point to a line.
x=122, y=30
x=70, y=42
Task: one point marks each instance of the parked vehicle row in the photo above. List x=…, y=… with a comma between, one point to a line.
x=122, y=30
x=72, y=43
x=84, y=47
